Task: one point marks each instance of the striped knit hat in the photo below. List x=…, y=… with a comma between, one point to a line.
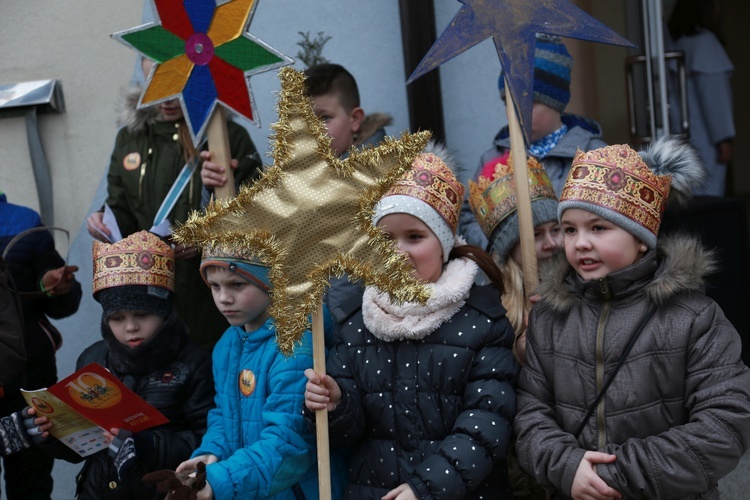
x=552, y=67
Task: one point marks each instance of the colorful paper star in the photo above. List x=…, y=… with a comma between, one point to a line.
x=513, y=25
x=309, y=215
x=204, y=55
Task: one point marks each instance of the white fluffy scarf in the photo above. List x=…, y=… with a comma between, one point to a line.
x=413, y=321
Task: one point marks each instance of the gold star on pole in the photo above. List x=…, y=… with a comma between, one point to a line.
x=309, y=215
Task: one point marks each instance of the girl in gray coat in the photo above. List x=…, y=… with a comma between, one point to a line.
x=634, y=386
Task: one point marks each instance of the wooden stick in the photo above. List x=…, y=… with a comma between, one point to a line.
x=321, y=416
x=218, y=144
x=521, y=178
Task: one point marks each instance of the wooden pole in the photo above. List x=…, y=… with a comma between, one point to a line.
x=321, y=416
x=218, y=144
x=521, y=178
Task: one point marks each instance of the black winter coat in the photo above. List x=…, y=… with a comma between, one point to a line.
x=435, y=413
x=174, y=376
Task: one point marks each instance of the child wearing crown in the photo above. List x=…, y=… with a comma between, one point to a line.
x=423, y=394
x=146, y=346
x=633, y=385
x=493, y=201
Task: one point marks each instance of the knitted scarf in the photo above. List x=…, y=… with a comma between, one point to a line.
x=389, y=321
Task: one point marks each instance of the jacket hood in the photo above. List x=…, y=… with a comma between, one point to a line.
x=136, y=120
x=678, y=265
x=371, y=131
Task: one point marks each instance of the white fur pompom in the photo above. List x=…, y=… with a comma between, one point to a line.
x=678, y=158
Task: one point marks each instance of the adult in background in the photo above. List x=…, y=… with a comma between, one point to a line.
x=694, y=28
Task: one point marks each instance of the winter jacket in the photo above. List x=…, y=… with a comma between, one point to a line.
x=583, y=133
x=677, y=415
x=171, y=374
x=12, y=351
x=434, y=412
x=145, y=162
x=257, y=430
x=28, y=260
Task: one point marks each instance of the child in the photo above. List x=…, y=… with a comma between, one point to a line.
x=335, y=97
x=676, y=417
x=257, y=445
x=493, y=202
x=424, y=393
x=146, y=346
x=555, y=135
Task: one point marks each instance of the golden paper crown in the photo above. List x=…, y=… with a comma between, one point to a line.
x=493, y=200
x=433, y=182
x=615, y=182
x=140, y=259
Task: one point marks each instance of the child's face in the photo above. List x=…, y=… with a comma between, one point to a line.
x=242, y=303
x=413, y=237
x=544, y=121
x=342, y=125
x=596, y=247
x=547, y=237
x=169, y=111
x=134, y=328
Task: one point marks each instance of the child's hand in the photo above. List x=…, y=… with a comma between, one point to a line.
x=212, y=174
x=403, y=492
x=36, y=427
x=96, y=227
x=192, y=464
x=321, y=392
x=58, y=281
x=207, y=493
x=110, y=435
x=587, y=484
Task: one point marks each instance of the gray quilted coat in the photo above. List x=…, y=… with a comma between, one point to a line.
x=677, y=416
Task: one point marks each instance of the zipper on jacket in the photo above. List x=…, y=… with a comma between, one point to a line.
x=601, y=431
x=239, y=393
x=140, y=181
x=142, y=174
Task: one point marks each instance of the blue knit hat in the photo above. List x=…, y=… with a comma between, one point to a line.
x=241, y=262
x=552, y=66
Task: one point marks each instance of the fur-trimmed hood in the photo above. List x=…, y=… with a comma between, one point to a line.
x=131, y=116
x=678, y=265
x=372, y=130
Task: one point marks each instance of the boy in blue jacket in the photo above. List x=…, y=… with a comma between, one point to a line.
x=257, y=444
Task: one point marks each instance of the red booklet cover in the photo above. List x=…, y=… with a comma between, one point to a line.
x=99, y=396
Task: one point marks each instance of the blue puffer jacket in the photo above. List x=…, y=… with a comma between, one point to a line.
x=257, y=429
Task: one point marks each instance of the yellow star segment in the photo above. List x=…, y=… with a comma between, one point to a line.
x=169, y=79
x=309, y=216
x=223, y=29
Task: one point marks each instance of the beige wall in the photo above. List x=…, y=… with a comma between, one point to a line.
x=66, y=40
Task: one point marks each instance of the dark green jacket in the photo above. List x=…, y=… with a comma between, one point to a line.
x=145, y=163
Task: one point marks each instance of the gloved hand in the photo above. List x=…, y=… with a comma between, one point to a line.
x=122, y=451
x=32, y=430
x=178, y=485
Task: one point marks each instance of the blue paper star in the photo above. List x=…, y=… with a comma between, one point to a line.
x=513, y=25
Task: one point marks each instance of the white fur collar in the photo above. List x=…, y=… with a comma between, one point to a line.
x=413, y=321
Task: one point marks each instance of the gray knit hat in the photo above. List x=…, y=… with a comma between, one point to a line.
x=552, y=67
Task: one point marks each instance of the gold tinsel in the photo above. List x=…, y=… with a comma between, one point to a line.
x=309, y=215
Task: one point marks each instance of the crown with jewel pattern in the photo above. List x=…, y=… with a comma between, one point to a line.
x=140, y=259
x=617, y=184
